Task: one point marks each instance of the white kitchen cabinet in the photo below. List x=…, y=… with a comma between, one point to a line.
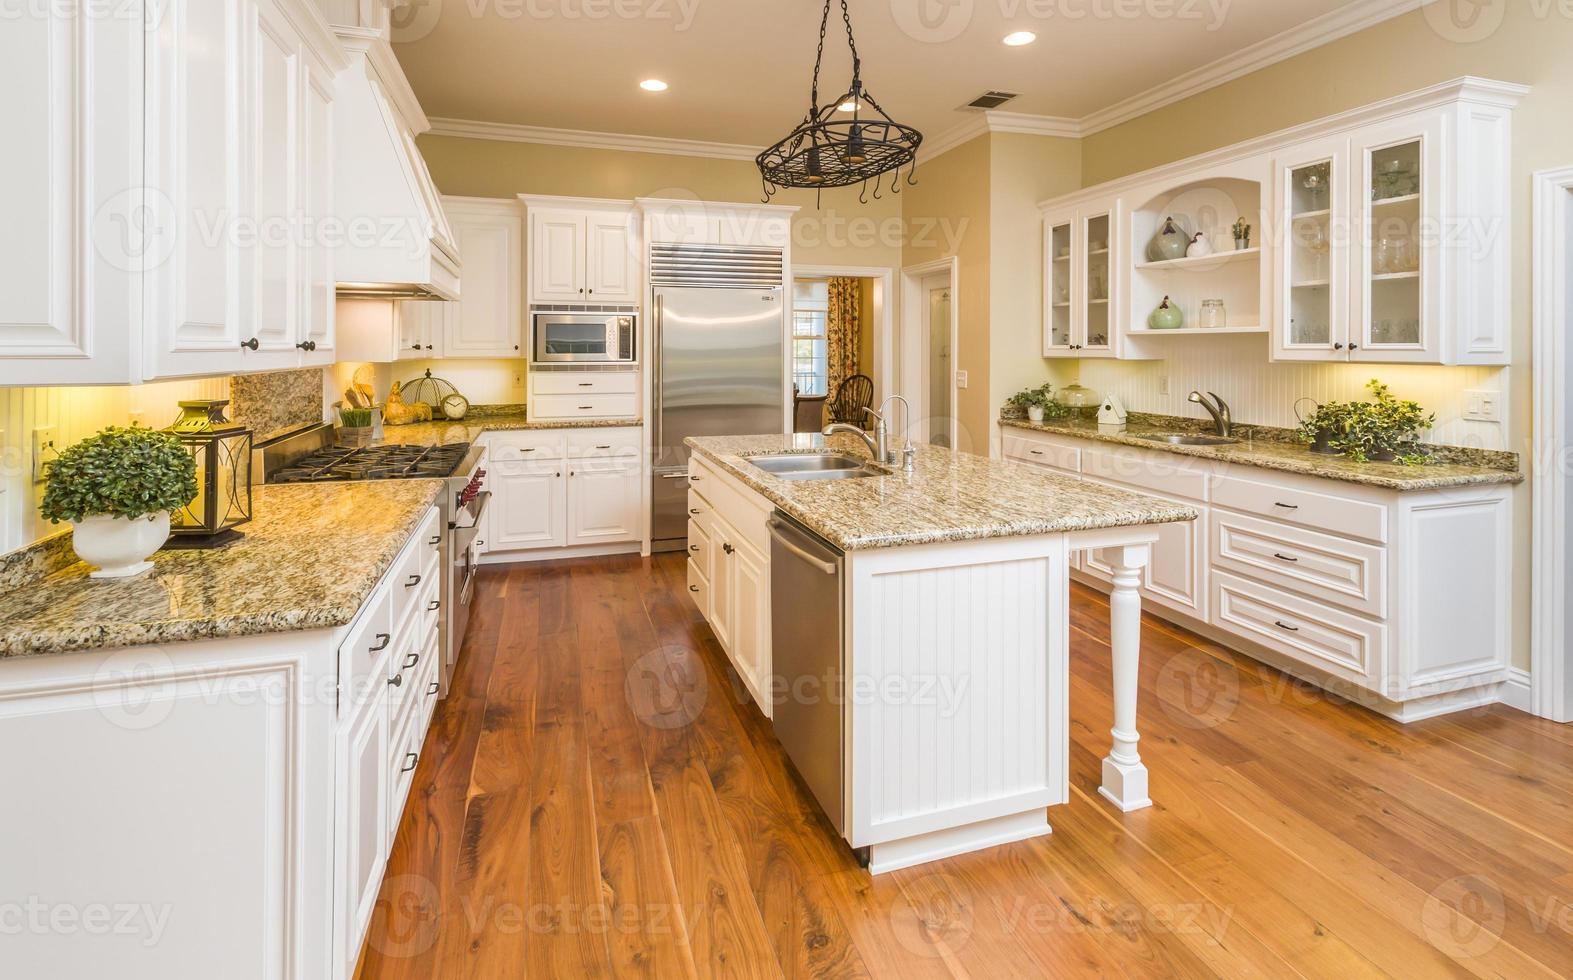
x=723, y=584
x=529, y=506
x=175, y=186
x=750, y=573
x=1403, y=595
x=488, y=318
x=582, y=251
x=1081, y=280
x=361, y=839
x=603, y=504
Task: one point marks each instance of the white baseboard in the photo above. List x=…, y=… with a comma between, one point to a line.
x=1516, y=690
x=556, y=554
x=909, y=851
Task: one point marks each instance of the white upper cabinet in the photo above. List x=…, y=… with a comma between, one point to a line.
x=1378, y=235
x=582, y=252
x=164, y=201
x=488, y=318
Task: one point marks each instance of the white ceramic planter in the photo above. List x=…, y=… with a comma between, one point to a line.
x=1035, y=413
x=119, y=546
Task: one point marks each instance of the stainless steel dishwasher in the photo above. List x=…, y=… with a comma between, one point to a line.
x=807, y=619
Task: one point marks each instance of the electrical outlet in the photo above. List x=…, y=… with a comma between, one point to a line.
x=518, y=379
x=1163, y=384
x=44, y=450
x=1481, y=405
x=961, y=379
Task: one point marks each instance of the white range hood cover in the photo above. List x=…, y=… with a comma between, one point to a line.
x=395, y=241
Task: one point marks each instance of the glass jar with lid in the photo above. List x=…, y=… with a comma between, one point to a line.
x=1082, y=401
x=1213, y=314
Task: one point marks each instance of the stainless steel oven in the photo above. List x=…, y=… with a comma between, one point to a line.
x=584, y=338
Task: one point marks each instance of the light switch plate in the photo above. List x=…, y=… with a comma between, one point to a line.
x=1482, y=405
x=1163, y=384
x=961, y=379
x=44, y=450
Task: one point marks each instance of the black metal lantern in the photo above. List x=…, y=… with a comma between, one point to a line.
x=827, y=151
x=223, y=454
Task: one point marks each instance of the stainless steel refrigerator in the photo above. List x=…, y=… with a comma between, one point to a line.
x=719, y=348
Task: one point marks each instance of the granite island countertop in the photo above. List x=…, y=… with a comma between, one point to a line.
x=949, y=496
x=1292, y=457
x=472, y=426
x=311, y=555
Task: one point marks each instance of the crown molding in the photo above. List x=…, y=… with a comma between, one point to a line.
x=514, y=133
x=1329, y=27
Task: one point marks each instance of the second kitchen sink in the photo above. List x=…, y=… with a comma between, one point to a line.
x=1187, y=439
x=816, y=466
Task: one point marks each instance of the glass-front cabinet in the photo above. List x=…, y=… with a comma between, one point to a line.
x=1312, y=283
x=1079, y=283
x=1396, y=251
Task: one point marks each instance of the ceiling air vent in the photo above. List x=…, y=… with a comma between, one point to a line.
x=990, y=100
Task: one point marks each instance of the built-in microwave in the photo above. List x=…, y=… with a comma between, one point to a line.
x=595, y=338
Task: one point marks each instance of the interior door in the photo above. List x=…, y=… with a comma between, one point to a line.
x=939, y=363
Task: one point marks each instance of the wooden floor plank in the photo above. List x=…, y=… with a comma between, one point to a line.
x=598, y=796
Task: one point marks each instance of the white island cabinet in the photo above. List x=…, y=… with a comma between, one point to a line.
x=949, y=730
x=221, y=807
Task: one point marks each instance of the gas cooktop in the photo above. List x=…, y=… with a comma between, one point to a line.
x=372, y=463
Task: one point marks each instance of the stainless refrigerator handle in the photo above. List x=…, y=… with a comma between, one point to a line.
x=657, y=356
x=828, y=567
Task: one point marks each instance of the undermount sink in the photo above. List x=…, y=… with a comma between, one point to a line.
x=1186, y=439
x=816, y=466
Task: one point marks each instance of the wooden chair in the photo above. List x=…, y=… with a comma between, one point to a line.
x=852, y=396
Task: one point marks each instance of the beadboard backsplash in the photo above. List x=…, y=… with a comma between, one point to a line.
x=1236, y=367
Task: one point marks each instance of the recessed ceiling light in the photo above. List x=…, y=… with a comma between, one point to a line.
x=1017, y=38
x=653, y=85
x=848, y=106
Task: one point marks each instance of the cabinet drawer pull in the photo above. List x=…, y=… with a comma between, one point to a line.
x=693, y=478
x=434, y=605
x=587, y=384
x=413, y=582
x=397, y=680
x=1285, y=626
x=1036, y=452
x=1283, y=557
x=603, y=447
x=585, y=408
x=693, y=510
x=435, y=686
x=411, y=661
x=410, y=760
x=383, y=639
x=693, y=547
x=1286, y=506
x=530, y=450
x=693, y=588
x=435, y=541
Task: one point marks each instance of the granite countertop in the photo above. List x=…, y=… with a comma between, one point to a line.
x=470, y=428
x=949, y=496
x=1276, y=452
x=310, y=556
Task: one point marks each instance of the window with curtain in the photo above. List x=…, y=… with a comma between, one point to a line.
x=810, y=351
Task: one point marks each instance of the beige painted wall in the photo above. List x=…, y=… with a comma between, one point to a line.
x=948, y=213
x=1533, y=44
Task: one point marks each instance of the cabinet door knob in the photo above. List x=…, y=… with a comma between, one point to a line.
x=251, y=344
x=1338, y=346
x=415, y=347
x=410, y=760
x=383, y=639
x=428, y=346
x=1354, y=346
x=397, y=680
x=307, y=345
x=728, y=548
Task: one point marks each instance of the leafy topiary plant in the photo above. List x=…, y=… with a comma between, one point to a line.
x=1383, y=428
x=1039, y=397
x=120, y=472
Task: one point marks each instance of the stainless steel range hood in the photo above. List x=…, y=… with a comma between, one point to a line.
x=394, y=240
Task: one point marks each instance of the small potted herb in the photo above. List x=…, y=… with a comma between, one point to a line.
x=116, y=489
x=356, y=426
x=1242, y=233
x=1038, y=402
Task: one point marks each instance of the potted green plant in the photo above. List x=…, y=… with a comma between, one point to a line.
x=1324, y=426
x=1038, y=402
x=1242, y=233
x=356, y=426
x=116, y=489
x=1383, y=429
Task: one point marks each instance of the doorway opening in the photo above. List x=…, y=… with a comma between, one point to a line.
x=840, y=335
x=929, y=340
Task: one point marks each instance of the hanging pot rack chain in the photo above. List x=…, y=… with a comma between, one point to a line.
x=824, y=151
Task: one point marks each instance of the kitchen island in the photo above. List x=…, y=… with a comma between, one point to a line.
x=950, y=730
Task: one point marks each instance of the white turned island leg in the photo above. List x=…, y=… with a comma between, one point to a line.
x=1124, y=776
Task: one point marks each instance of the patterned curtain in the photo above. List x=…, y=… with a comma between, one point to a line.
x=841, y=331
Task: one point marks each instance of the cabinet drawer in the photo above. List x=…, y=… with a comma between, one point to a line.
x=698, y=506
x=1320, y=636
x=590, y=406
x=404, y=749
x=698, y=544
x=1029, y=450
x=1347, y=573
x=364, y=650
x=699, y=588
x=1173, y=475
x=408, y=586
x=506, y=449
x=616, y=448
x=584, y=382
x=1308, y=508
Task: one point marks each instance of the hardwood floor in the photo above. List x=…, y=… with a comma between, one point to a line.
x=598, y=797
